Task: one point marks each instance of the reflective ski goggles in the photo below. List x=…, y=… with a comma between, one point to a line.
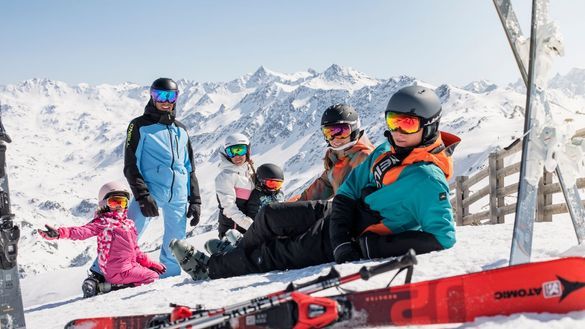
x=406, y=124
x=338, y=130
x=164, y=96
x=272, y=184
x=236, y=150
x=116, y=201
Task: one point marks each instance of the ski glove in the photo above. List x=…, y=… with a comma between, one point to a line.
x=50, y=234
x=148, y=206
x=345, y=252
x=157, y=267
x=194, y=210
x=342, y=220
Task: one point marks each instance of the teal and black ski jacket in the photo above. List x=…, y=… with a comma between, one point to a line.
x=391, y=198
x=158, y=158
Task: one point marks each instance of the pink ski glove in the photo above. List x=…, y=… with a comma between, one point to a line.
x=157, y=267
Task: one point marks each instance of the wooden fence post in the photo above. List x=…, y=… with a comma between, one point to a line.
x=461, y=194
x=548, y=198
x=544, y=199
x=501, y=184
x=493, y=181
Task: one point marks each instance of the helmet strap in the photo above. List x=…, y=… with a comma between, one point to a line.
x=348, y=145
x=344, y=146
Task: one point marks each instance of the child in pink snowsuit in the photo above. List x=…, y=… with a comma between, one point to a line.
x=119, y=256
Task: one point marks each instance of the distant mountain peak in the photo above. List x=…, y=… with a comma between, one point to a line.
x=335, y=72
x=480, y=86
x=570, y=83
x=261, y=76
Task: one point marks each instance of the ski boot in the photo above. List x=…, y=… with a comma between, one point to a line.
x=226, y=244
x=106, y=287
x=90, y=285
x=192, y=261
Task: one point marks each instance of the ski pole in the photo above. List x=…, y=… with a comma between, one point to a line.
x=333, y=279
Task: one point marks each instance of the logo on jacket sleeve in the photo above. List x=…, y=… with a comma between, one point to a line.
x=129, y=134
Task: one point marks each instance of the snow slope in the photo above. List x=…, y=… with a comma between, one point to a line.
x=51, y=301
x=68, y=140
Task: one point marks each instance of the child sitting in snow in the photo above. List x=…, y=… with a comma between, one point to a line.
x=267, y=189
x=119, y=257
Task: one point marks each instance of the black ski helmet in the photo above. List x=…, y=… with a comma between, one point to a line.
x=421, y=102
x=164, y=84
x=269, y=171
x=342, y=113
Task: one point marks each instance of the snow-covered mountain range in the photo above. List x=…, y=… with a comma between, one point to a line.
x=68, y=140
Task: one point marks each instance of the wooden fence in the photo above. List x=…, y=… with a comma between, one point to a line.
x=497, y=191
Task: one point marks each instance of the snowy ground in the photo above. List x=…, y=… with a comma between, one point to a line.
x=52, y=299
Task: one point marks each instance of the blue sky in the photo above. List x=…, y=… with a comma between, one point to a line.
x=447, y=41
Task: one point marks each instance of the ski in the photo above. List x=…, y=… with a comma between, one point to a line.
x=555, y=286
x=333, y=279
x=135, y=321
x=198, y=317
x=127, y=322
x=541, y=144
x=11, y=308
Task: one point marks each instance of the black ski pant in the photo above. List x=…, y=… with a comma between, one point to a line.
x=283, y=236
x=283, y=219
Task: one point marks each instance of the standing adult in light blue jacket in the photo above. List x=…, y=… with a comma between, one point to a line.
x=158, y=164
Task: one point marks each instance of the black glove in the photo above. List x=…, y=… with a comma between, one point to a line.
x=50, y=233
x=346, y=252
x=148, y=206
x=194, y=210
x=342, y=220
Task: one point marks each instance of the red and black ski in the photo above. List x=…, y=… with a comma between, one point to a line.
x=130, y=322
x=556, y=286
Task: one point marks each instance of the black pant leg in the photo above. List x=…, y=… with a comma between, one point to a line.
x=310, y=248
x=381, y=246
x=286, y=219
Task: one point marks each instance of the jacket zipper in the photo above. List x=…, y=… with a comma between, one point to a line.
x=172, y=162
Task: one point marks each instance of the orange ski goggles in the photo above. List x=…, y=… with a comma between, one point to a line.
x=272, y=184
x=406, y=124
x=117, y=201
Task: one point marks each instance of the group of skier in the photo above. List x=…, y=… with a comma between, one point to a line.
x=385, y=201
x=368, y=202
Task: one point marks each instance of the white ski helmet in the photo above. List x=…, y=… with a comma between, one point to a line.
x=112, y=188
x=235, y=139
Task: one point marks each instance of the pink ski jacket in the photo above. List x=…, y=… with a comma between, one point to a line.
x=117, y=240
